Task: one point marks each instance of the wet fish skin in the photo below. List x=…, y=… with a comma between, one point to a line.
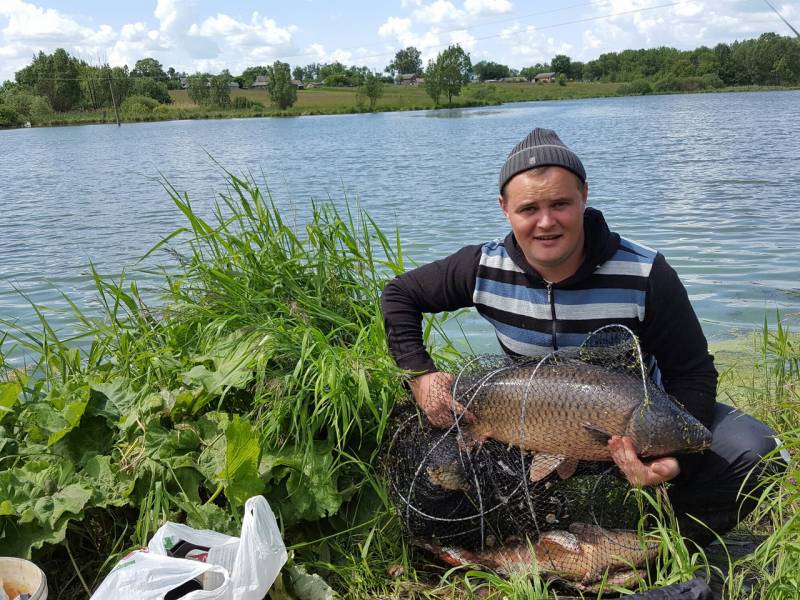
x=570, y=409
x=583, y=555
x=595, y=550
x=448, y=476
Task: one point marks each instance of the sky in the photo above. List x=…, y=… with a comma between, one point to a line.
x=200, y=35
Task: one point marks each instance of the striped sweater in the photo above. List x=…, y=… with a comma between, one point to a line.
x=532, y=317
x=619, y=281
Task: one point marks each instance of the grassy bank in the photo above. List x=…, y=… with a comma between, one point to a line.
x=324, y=101
x=265, y=371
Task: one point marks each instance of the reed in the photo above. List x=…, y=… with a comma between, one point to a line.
x=264, y=370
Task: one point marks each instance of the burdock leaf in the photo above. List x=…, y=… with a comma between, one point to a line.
x=242, y=454
x=310, y=480
x=9, y=391
x=112, y=399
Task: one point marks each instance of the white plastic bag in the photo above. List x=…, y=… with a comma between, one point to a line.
x=145, y=576
x=231, y=568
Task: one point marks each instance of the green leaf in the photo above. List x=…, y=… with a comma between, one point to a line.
x=233, y=360
x=212, y=427
x=242, y=454
x=307, y=586
x=111, y=487
x=9, y=392
x=112, y=399
x=311, y=483
x=210, y=516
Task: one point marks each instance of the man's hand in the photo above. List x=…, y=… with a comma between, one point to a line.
x=432, y=394
x=623, y=453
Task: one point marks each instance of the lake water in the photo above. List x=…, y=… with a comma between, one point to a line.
x=710, y=180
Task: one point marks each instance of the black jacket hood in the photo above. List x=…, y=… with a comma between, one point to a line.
x=599, y=244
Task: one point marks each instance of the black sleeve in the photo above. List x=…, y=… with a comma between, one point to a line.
x=443, y=285
x=672, y=334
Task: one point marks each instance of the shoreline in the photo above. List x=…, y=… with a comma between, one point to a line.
x=184, y=112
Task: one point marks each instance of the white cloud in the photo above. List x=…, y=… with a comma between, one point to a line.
x=463, y=38
x=174, y=35
x=438, y=12
x=167, y=12
x=395, y=26
x=239, y=35
x=529, y=45
x=316, y=51
x=590, y=40
x=359, y=56
x=35, y=24
x=400, y=29
x=481, y=7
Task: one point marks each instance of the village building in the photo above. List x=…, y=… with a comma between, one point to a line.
x=544, y=77
x=409, y=79
x=261, y=81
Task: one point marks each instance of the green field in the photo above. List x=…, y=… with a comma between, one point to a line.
x=396, y=97
x=341, y=100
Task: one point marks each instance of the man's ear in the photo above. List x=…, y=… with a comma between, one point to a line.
x=502, y=202
x=585, y=194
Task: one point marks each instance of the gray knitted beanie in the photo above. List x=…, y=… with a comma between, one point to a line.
x=540, y=148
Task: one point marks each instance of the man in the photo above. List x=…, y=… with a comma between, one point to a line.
x=558, y=275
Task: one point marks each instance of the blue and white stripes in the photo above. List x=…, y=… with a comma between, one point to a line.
x=526, y=320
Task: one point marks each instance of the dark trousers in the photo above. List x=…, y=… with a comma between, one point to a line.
x=715, y=485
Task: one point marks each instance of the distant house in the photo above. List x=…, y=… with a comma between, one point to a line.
x=514, y=80
x=234, y=85
x=261, y=81
x=298, y=84
x=408, y=79
x=184, y=83
x=544, y=77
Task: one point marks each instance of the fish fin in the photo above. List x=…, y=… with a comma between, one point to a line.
x=559, y=540
x=544, y=464
x=598, y=433
x=455, y=557
x=567, y=468
x=627, y=577
x=468, y=440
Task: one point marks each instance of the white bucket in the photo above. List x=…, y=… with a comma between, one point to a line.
x=18, y=576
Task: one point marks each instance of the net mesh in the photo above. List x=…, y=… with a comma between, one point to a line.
x=481, y=491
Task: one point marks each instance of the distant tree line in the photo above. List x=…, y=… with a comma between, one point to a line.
x=60, y=82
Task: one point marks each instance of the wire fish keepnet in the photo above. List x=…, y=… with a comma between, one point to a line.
x=469, y=502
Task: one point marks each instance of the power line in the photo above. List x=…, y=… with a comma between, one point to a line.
x=488, y=37
x=464, y=27
x=392, y=52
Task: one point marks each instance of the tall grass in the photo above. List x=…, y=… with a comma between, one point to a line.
x=265, y=370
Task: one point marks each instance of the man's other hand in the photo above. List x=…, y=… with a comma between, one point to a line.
x=432, y=394
x=623, y=453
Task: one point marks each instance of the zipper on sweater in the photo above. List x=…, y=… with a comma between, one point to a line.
x=552, y=302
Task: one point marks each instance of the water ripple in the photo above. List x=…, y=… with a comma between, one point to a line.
x=711, y=180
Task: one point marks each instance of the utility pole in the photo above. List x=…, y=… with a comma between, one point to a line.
x=113, y=101
x=775, y=10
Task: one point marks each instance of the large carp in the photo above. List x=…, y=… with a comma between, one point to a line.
x=565, y=411
x=583, y=555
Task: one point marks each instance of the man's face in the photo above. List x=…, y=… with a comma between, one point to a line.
x=545, y=209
